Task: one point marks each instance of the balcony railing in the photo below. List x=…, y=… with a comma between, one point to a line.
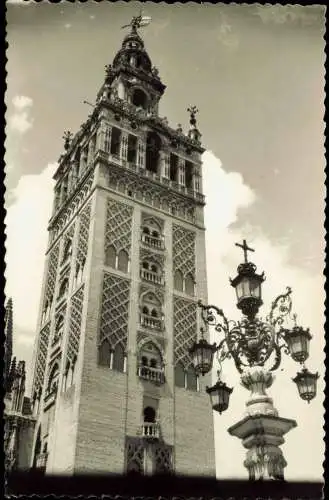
x=151, y=430
x=152, y=374
x=41, y=460
x=152, y=241
x=151, y=322
x=151, y=276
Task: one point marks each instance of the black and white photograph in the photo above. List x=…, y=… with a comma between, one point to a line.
x=165, y=249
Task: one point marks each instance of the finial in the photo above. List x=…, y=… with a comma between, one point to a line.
x=137, y=22
x=179, y=128
x=193, y=111
x=67, y=136
x=245, y=249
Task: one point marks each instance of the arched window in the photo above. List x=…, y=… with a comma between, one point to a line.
x=123, y=261
x=154, y=313
x=104, y=354
x=67, y=251
x=155, y=234
x=191, y=379
x=146, y=230
x=139, y=98
x=153, y=146
x=53, y=379
x=119, y=358
x=144, y=361
x=145, y=310
x=145, y=265
x=63, y=288
x=59, y=328
x=154, y=268
x=110, y=257
x=149, y=414
x=150, y=356
x=153, y=363
x=189, y=285
x=179, y=375
x=178, y=281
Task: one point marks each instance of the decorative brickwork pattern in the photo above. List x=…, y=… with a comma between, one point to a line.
x=152, y=194
x=143, y=289
x=39, y=373
x=75, y=325
x=162, y=458
x=118, y=226
x=151, y=257
x=184, y=250
x=134, y=455
x=115, y=310
x=52, y=273
x=70, y=211
x=185, y=329
x=152, y=221
x=83, y=234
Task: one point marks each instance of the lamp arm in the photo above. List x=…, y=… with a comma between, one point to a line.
x=280, y=308
x=280, y=345
x=214, y=316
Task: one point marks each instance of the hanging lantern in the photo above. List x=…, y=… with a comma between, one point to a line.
x=248, y=288
x=219, y=396
x=306, y=383
x=202, y=354
x=298, y=340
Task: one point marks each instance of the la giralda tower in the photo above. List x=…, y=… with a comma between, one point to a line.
x=114, y=388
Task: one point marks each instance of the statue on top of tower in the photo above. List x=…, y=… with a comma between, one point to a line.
x=137, y=22
x=193, y=111
x=67, y=136
x=194, y=133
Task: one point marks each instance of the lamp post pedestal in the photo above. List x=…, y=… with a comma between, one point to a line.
x=262, y=430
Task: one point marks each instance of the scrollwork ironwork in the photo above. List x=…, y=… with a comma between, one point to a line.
x=251, y=342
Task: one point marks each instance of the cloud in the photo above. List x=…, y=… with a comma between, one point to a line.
x=20, y=120
x=26, y=231
x=226, y=34
x=21, y=102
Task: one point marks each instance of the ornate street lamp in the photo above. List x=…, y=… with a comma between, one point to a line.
x=306, y=384
x=202, y=355
x=219, y=395
x=256, y=346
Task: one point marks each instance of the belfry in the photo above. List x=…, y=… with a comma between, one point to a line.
x=114, y=388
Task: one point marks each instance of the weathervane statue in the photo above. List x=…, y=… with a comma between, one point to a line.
x=138, y=22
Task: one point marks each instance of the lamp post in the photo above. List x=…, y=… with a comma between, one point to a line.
x=256, y=347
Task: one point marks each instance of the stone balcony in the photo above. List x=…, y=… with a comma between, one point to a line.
x=150, y=322
x=155, y=375
x=151, y=430
x=152, y=241
x=151, y=276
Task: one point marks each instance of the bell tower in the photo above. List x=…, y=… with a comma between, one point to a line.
x=114, y=387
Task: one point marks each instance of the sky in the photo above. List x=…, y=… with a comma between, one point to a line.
x=256, y=74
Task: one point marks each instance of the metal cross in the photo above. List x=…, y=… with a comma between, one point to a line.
x=245, y=249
